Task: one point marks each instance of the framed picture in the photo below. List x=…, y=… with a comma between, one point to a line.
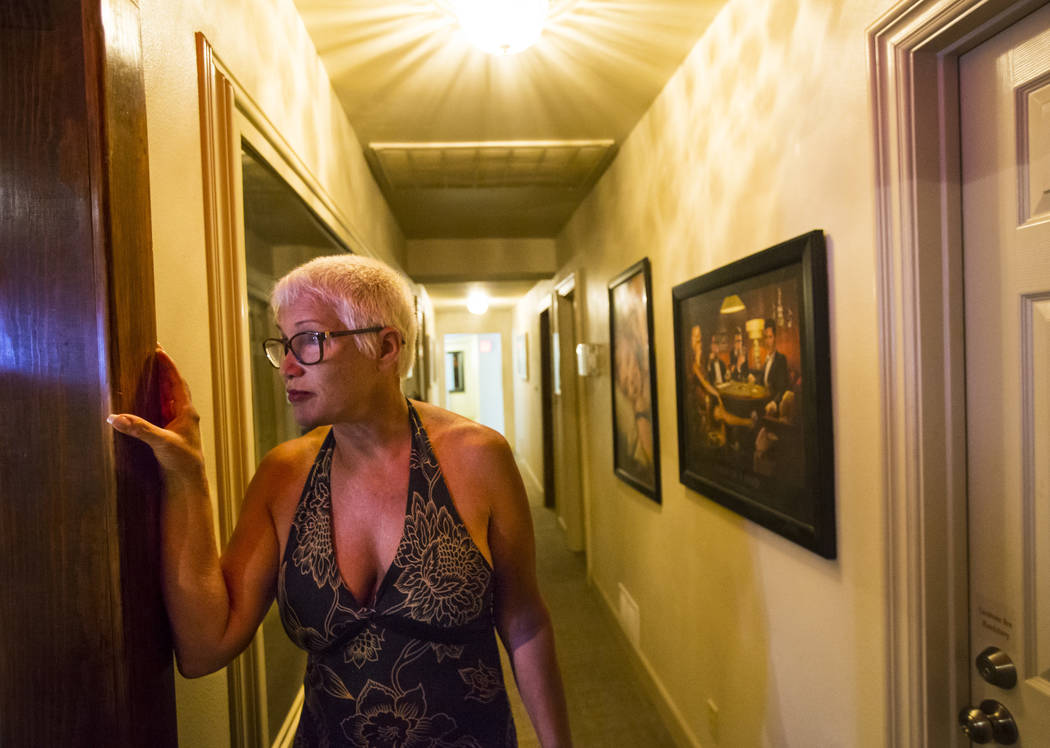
x=454, y=371
x=753, y=378
x=636, y=440
x=521, y=355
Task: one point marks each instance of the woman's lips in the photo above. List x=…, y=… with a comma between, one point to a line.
x=297, y=396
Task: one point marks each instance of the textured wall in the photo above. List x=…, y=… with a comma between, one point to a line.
x=761, y=135
x=528, y=416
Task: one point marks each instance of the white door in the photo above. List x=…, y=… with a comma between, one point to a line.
x=1005, y=93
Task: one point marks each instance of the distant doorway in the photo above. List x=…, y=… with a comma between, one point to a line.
x=474, y=377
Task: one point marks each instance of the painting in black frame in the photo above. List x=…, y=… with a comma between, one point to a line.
x=753, y=379
x=636, y=436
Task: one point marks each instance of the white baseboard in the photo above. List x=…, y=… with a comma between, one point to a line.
x=532, y=484
x=654, y=688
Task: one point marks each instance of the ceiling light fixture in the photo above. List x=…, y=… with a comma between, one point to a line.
x=477, y=303
x=501, y=27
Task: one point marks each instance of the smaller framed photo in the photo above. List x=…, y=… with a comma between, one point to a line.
x=521, y=356
x=636, y=436
x=454, y=371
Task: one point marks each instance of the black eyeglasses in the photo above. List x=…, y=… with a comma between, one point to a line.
x=307, y=346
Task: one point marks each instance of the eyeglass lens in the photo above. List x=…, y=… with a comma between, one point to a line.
x=307, y=347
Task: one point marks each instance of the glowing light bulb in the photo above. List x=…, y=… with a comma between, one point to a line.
x=501, y=27
x=477, y=303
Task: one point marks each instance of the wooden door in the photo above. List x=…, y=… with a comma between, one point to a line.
x=547, y=406
x=84, y=653
x=1005, y=115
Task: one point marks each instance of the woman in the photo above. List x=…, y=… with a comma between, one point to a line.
x=395, y=604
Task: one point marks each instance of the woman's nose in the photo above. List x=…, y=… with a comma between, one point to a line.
x=290, y=366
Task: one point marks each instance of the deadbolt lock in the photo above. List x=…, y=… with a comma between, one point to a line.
x=996, y=667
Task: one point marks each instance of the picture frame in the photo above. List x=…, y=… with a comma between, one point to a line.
x=521, y=356
x=454, y=371
x=636, y=433
x=753, y=384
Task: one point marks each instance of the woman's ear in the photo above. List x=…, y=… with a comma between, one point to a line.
x=390, y=344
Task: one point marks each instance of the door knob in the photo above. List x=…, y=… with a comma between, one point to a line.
x=989, y=722
x=976, y=725
x=996, y=667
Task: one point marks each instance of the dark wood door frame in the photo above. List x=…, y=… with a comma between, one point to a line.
x=547, y=407
x=84, y=651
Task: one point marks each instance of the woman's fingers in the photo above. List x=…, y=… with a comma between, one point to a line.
x=172, y=385
x=137, y=427
x=177, y=453
x=174, y=392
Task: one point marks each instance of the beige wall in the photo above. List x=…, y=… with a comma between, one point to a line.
x=265, y=46
x=528, y=414
x=497, y=320
x=466, y=402
x=762, y=135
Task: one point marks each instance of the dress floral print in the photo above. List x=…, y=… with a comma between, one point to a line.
x=444, y=575
x=420, y=667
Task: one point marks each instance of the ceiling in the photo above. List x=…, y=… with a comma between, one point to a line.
x=501, y=294
x=467, y=145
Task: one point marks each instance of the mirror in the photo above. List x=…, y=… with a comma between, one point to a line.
x=280, y=233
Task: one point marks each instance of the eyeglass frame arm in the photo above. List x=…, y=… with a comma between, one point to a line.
x=322, y=335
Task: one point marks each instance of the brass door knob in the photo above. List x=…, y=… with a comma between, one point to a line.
x=990, y=722
x=976, y=725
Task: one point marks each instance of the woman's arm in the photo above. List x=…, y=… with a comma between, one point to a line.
x=698, y=372
x=521, y=616
x=214, y=603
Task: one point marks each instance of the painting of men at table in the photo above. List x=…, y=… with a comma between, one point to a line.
x=741, y=386
x=753, y=379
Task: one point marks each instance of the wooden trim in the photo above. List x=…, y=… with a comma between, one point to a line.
x=229, y=115
x=289, y=167
x=286, y=735
x=913, y=62
x=566, y=286
x=256, y=127
x=121, y=216
x=231, y=372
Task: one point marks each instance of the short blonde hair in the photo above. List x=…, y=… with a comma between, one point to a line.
x=362, y=292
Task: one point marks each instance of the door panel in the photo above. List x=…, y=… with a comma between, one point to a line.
x=1005, y=108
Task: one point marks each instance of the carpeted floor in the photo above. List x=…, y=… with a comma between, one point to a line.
x=607, y=706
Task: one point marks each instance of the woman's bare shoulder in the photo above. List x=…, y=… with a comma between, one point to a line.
x=460, y=442
x=283, y=470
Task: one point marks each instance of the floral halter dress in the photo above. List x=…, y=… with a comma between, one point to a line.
x=420, y=667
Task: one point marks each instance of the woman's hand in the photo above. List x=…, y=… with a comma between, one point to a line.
x=215, y=603
x=177, y=445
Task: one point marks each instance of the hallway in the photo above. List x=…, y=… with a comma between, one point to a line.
x=607, y=706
